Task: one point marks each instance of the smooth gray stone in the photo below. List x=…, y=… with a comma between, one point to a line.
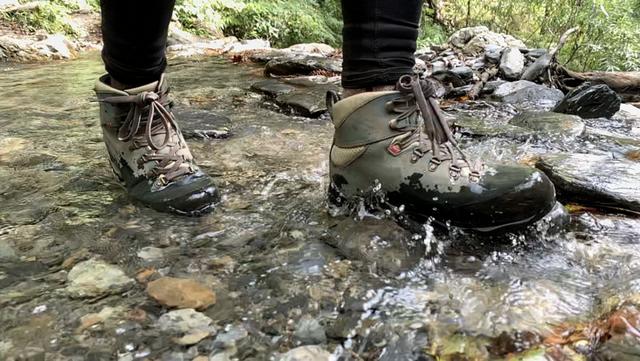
x=493, y=53
x=298, y=96
x=478, y=128
x=512, y=63
x=302, y=65
x=595, y=180
x=202, y=124
x=523, y=91
x=457, y=76
x=491, y=86
x=554, y=125
x=309, y=332
x=272, y=87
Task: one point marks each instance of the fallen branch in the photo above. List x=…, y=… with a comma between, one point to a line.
x=542, y=65
x=563, y=39
x=484, y=78
x=626, y=84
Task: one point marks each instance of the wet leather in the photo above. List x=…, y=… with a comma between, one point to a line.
x=505, y=194
x=190, y=194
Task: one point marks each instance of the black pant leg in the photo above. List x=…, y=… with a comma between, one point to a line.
x=379, y=38
x=134, y=34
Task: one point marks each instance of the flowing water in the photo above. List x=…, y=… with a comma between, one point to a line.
x=277, y=260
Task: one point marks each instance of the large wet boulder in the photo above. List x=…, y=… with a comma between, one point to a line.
x=628, y=113
x=527, y=92
x=315, y=50
x=263, y=57
x=302, y=65
x=550, y=124
x=479, y=128
x=606, y=139
x=304, y=96
x=312, y=48
x=512, y=63
x=247, y=46
x=457, y=76
x=272, y=87
x=590, y=101
x=596, y=180
x=27, y=49
x=202, y=124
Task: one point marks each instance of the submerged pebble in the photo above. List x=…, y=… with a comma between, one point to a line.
x=181, y=293
x=94, y=278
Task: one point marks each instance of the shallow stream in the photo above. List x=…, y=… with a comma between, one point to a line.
x=284, y=271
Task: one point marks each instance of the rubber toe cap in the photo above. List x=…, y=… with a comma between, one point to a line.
x=514, y=196
x=192, y=195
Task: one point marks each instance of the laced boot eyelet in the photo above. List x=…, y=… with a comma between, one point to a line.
x=163, y=180
x=474, y=177
x=454, y=172
x=433, y=164
x=417, y=154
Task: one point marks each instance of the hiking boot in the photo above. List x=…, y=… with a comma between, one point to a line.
x=147, y=151
x=399, y=142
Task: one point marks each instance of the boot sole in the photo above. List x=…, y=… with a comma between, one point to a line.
x=411, y=221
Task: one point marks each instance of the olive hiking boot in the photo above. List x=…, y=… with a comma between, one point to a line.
x=147, y=151
x=399, y=142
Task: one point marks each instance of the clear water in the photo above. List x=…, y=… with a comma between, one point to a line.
x=369, y=283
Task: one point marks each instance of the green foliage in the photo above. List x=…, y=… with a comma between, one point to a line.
x=206, y=17
x=286, y=22
x=49, y=16
x=431, y=33
x=610, y=29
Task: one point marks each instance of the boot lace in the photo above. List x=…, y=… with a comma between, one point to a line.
x=148, y=117
x=430, y=132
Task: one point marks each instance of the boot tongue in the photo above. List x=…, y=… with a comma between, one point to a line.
x=158, y=86
x=151, y=87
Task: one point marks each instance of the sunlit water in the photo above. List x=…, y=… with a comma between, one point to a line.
x=379, y=292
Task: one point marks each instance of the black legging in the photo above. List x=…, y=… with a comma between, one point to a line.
x=134, y=34
x=379, y=40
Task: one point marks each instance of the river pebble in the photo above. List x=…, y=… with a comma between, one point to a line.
x=306, y=353
x=94, y=278
x=181, y=293
x=183, y=321
x=309, y=332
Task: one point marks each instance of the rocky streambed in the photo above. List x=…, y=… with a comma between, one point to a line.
x=272, y=275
